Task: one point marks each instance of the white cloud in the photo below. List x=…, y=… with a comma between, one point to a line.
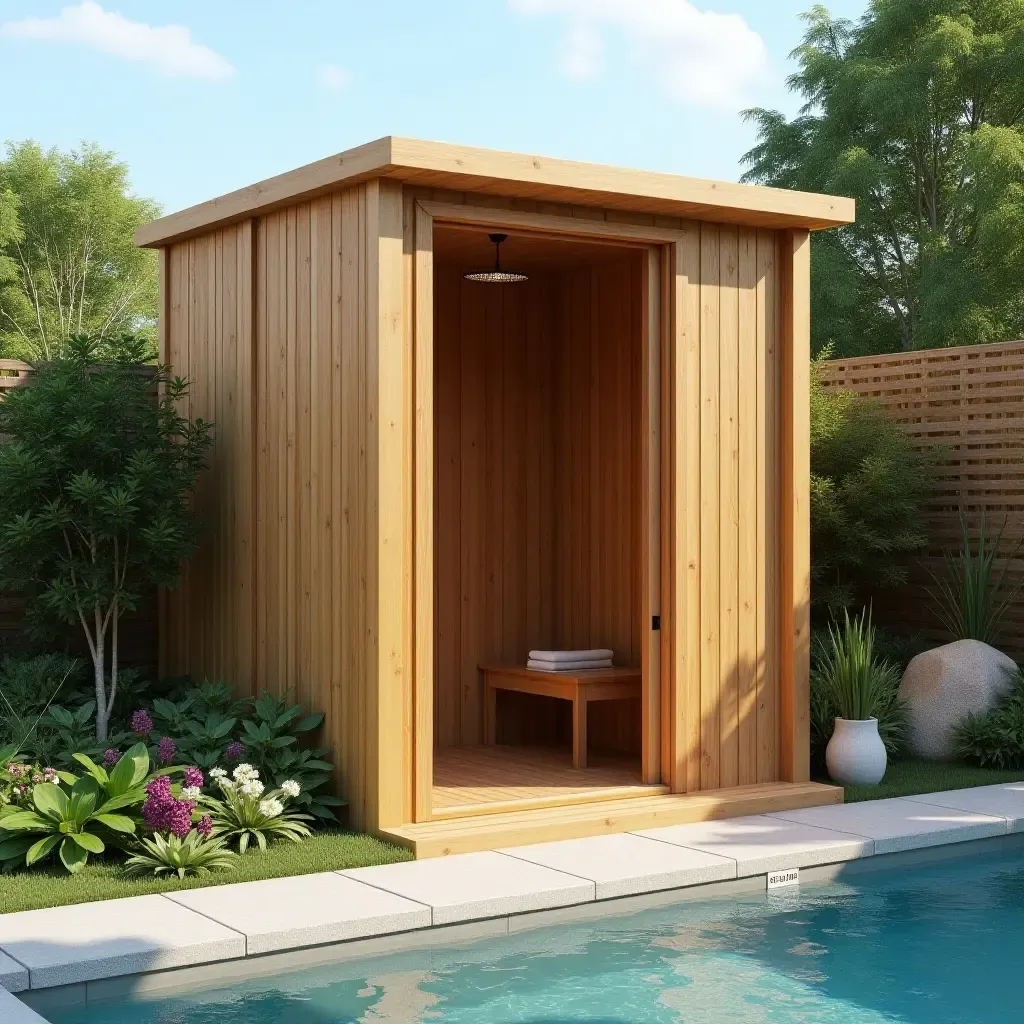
x=168, y=48
x=700, y=57
x=332, y=77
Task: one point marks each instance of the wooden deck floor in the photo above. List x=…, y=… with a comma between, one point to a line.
x=521, y=827
x=492, y=779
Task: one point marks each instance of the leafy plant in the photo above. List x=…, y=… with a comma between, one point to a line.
x=244, y=812
x=272, y=740
x=95, y=512
x=995, y=739
x=868, y=486
x=849, y=680
x=972, y=597
x=193, y=855
x=126, y=781
x=204, y=741
x=28, y=686
x=75, y=733
x=67, y=822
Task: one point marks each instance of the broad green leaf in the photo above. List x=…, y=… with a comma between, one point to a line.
x=87, y=841
x=309, y=722
x=130, y=799
x=67, y=778
x=73, y=856
x=22, y=821
x=130, y=770
x=98, y=773
x=118, y=822
x=251, y=729
x=39, y=850
x=50, y=800
x=15, y=847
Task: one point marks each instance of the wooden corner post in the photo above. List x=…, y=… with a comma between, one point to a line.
x=795, y=582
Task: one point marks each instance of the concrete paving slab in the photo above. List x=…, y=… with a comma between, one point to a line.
x=1003, y=801
x=65, y=945
x=626, y=865
x=900, y=823
x=306, y=910
x=474, y=885
x=14, y=1011
x=13, y=976
x=759, y=843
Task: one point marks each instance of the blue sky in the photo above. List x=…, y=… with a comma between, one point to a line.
x=204, y=97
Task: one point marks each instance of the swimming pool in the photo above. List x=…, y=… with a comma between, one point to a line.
x=940, y=944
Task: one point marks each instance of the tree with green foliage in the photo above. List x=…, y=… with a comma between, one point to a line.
x=95, y=506
x=868, y=487
x=68, y=260
x=917, y=111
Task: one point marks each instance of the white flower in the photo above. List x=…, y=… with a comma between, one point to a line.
x=251, y=787
x=244, y=771
x=218, y=773
x=190, y=792
x=291, y=788
x=226, y=785
x=271, y=808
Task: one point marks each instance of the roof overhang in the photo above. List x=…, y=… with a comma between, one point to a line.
x=518, y=176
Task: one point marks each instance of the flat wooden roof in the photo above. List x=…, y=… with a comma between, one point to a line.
x=516, y=175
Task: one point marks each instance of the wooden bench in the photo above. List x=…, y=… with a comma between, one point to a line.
x=579, y=687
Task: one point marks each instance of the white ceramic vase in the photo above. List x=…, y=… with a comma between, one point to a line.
x=856, y=754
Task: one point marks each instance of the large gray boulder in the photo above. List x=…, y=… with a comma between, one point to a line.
x=944, y=685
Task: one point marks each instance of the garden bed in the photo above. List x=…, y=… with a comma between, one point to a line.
x=324, y=851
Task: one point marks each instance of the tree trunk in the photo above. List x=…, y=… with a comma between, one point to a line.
x=98, y=658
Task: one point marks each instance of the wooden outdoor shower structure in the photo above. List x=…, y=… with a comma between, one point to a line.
x=416, y=475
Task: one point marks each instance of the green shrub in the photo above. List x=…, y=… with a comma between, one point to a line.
x=972, y=597
x=995, y=739
x=868, y=485
x=850, y=680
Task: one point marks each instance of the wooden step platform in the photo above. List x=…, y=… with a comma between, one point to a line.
x=543, y=825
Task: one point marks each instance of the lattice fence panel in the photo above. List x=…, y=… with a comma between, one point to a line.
x=970, y=402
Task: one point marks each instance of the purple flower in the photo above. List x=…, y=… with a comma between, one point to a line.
x=194, y=778
x=162, y=812
x=166, y=750
x=142, y=724
x=205, y=826
x=234, y=752
x=111, y=756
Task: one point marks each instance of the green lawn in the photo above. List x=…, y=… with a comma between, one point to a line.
x=905, y=778
x=324, y=851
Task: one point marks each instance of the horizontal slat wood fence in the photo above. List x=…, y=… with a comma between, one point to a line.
x=969, y=401
x=138, y=633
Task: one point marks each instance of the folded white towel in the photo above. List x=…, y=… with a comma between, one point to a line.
x=568, y=666
x=599, y=654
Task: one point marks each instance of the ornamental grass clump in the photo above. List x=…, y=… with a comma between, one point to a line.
x=849, y=680
x=246, y=812
x=972, y=596
x=197, y=853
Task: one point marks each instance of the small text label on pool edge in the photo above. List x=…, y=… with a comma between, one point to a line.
x=779, y=879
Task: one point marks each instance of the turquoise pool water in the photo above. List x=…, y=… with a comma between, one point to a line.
x=936, y=945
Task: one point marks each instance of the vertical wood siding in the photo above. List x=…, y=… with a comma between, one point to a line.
x=281, y=595
x=727, y=502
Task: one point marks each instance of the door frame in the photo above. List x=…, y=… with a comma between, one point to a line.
x=657, y=695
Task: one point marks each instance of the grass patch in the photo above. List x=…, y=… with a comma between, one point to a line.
x=104, y=880
x=906, y=778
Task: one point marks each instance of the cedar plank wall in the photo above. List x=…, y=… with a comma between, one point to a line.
x=538, y=461
x=728, y=501
x=306, y=515
x=277, y=596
